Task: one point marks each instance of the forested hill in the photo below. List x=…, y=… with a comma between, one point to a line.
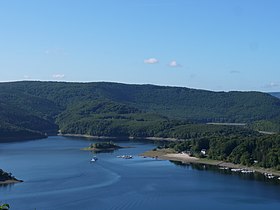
x=49, y=98
x=86, y=107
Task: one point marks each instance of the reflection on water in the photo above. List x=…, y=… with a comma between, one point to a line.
x=7, y=185
x=227, y=171
x=103, y=151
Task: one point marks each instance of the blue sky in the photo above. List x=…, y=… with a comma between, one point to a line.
x=205, y=44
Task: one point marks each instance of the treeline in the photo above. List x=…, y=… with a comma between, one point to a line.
x=6, y=176
x=104, y=145
x=259, y=150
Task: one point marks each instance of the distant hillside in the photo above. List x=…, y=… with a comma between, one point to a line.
x=275, y=94
x=113, y=108
x=174, y=102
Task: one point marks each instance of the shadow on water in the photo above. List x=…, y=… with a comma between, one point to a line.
x=103, y=151
x=256, y=176
x=7, y=186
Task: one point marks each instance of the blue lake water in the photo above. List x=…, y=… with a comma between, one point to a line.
x=58, y=175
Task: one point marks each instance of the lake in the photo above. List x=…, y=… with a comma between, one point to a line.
x=58, y=175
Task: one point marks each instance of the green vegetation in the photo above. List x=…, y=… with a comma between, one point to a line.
x=104, y=146
x=4, y=176
x=11, y=132
x=240, y=148
x=173, y=102
x=4, y=206
x=113, y=109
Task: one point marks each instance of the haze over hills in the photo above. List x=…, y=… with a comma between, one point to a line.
x=103, y=108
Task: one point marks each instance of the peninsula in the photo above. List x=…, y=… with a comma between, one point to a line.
x=7, y=178
x=170, y=154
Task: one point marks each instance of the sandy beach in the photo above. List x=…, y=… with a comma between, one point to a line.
x=182, y=157
x=167, y=154
x=9, y=182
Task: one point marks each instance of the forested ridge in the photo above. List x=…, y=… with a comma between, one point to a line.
x=116, y=109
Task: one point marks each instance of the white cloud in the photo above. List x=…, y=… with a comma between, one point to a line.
x=174, y=64
x=58, y=76
x=151, y=61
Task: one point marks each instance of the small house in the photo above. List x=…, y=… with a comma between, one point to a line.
x=203, y=151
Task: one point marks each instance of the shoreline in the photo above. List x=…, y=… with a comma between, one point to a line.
x=152, y=138
x=166, y=154
x=10, y=181
x=99, y=150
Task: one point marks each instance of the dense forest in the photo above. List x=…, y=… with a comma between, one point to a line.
x=127, y=110
x=173, y=102
x=240, y=148
x=10, y=132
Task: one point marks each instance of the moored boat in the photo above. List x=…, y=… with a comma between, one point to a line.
x=94, y=159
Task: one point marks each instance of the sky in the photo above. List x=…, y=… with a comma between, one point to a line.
x=218, y=45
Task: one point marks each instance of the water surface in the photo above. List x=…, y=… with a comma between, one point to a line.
x=58, y=175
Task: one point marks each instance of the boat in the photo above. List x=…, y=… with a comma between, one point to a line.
x=236, y=169
x=269, y=176
x=223, y=168
x=94, y=159
x=125, y=156
x=247, y=171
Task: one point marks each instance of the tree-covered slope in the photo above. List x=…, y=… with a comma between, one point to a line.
x=11, y=132
x=174, y=102
x=117, y=109
x=24, y=111
x=107, y=118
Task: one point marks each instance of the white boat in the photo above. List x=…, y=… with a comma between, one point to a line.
x=236, y=169
x=247, y=171
x=94, y=159
x=269, y=176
